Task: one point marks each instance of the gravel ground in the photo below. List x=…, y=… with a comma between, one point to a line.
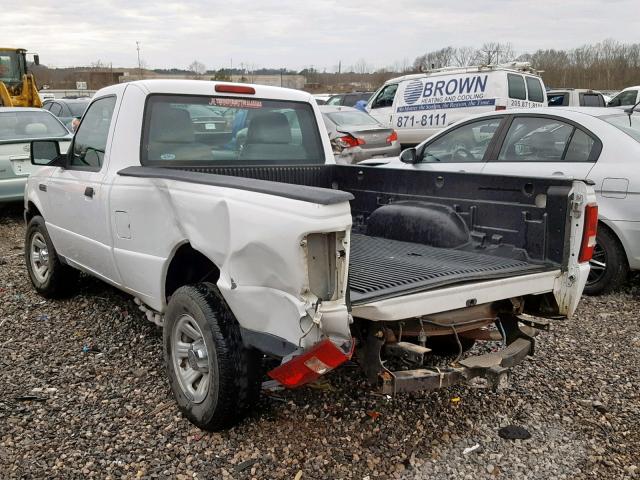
x=65, y=413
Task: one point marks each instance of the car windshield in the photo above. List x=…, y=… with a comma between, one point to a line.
x=629, y=124
x=247, y=130
x=352, y=119
x=29, y=124
x=77, y=109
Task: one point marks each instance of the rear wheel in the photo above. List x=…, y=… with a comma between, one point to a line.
x=49, y=276
x=609, y=267
x=215, y=379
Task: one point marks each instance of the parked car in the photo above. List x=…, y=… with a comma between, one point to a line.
x=348, y=99
x=600, y=145
x=67, y=110
x=575, y=97
x=420, y=105
x=270, y=248
x=626, y=98
x=321, y=98
x=18, y=126
x=357, y=136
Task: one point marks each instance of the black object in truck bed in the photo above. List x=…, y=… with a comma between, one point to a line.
x=380, y=267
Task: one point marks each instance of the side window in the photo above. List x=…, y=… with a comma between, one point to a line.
x=591, y=100
x=516, y=86
x=624, y=98
x=580, y=147
x=337, y=100
x=467, y=143
x=558, y=99
x=47, y=105
x=385, y=97
x=535, y=90
x=55, y=108
x=532, y=139
x=90, y=141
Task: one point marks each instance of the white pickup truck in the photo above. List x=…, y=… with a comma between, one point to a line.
x=220, y=209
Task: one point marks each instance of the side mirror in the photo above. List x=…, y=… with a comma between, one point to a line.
x=46, y=152
x=409, y=156
x=36, y=59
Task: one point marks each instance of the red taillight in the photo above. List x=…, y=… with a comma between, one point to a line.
x=235, y=89
x=318, y=360
x=500, y=107
x=349, y=141
x=393, y=137
x=589, y=232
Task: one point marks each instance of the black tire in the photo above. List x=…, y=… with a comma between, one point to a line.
x=609, y=251
x=447, y=346
x=60, y=279
x=233, y=385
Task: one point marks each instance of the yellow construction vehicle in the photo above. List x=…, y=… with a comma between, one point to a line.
x=17, y=86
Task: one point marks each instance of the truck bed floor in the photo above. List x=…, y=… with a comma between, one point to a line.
x=380, y=267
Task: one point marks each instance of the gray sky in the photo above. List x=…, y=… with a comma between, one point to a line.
x=297, y=34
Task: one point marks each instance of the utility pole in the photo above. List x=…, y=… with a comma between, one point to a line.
x=339, y=67
x=139, y=63
x=281, y=71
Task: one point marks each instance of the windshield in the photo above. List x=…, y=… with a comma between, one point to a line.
x=77, y=109
x=243, y=130
x=29, y=124
x=352, y=119
x=11, y=67
x=629, y=124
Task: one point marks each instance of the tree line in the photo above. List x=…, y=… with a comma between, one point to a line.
x=607, y=65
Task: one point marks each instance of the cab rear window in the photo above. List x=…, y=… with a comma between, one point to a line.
x=188, y=129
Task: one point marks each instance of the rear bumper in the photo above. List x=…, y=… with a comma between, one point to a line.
x=358, y=154
x=494, y=367
x=12, y=189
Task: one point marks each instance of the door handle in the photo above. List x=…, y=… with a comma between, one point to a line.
x=558, y=173
x=88, y=192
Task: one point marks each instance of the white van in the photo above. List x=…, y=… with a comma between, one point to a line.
x=419, y=105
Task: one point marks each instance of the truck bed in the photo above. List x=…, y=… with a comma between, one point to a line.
x=506, y=226
x=380, y=267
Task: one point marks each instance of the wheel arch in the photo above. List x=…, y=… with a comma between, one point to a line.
x=604, y=223
x=187, y=266
x=32, y=210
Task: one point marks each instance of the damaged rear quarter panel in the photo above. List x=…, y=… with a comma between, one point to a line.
x=253, y=238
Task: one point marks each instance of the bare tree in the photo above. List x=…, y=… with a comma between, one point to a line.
x=465, y=56
x=197, y=68
x=492, y=53
x=436, y=59
x=361, y=67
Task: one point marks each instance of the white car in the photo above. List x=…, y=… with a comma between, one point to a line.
x=420, y=105
x=601, y=145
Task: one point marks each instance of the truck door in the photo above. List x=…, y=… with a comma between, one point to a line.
x=78, y=221
x=536, y=145
x=381, y=107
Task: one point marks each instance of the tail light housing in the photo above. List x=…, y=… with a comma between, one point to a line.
x=323, y=357
x=589, y=232
x=349, y=141
x=393, y=137
x=224, y=88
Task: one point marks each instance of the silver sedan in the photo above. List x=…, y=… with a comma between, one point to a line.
x=356, y=136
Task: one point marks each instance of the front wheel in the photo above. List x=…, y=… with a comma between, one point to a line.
x=215, y=379
x=50, y=277
x=609, y=266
